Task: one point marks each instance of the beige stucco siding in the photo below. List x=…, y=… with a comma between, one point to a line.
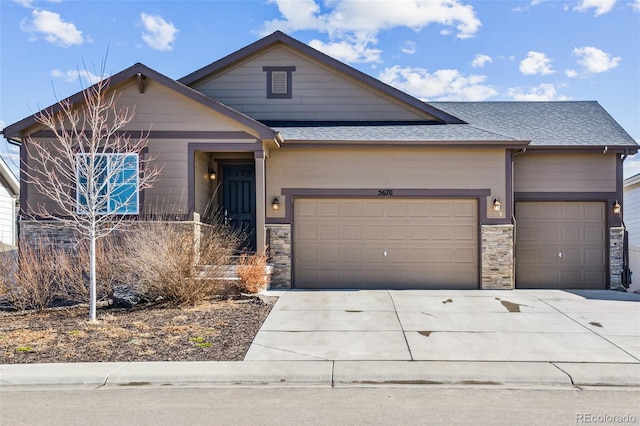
x=318, y=94
x=568, y=172
x=386, y=168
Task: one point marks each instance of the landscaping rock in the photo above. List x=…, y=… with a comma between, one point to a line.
x=125, y=297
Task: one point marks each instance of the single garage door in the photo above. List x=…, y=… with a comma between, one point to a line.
x=561, y=245
x=385, y=243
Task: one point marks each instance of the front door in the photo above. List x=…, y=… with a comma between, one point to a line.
x=239, y=201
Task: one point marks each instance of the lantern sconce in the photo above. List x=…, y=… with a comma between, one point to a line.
x=617, y=208
x=275, y=204
x=497, y=207
x=212, y=174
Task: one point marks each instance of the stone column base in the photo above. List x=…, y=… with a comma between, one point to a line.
x=280, y=255
x=497, y=257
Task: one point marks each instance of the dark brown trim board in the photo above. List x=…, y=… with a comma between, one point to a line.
x=164, y=134
x=479, y=194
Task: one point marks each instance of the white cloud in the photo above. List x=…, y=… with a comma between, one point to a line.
x=348, y=50
x=409, y=47
x=372, y=17
x=536, y=63
x=595, y=60
x=636, y=5
x=25, y=3
x=601, y=6
x=480, y=60
x=158, y=33
x=53, y=28
x=571, y=73
x=543, y=92
x=359, y=21
x=447, y=84
x=71, y=76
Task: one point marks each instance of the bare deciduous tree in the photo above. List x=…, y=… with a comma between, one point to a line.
x=90, y=169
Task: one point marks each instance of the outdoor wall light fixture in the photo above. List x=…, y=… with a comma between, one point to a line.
x=497, y=207
x=617, y=208
x=212, y=174
x=275, y=204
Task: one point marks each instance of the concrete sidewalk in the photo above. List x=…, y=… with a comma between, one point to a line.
x=386, y=338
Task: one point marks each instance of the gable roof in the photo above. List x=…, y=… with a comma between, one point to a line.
x=13, y=131
x=545, y=124
x=280, y=37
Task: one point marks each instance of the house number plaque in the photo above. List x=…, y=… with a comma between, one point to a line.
x=385, y=192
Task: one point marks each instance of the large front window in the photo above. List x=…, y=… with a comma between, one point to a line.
x=108, y=184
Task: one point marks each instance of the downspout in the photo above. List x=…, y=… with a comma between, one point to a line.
x=626, y=272
x=513, y=214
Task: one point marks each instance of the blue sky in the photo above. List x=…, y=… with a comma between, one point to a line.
x=432, y=49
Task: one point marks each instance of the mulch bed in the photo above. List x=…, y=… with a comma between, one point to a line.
x=217, y=330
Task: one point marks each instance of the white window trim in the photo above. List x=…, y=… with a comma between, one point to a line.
x=136, y=209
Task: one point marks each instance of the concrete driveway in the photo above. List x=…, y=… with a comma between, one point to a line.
x=457, y=325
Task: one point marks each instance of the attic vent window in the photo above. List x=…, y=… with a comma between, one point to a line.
x=279, y=82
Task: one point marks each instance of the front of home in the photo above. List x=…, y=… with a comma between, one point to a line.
x=351, y=183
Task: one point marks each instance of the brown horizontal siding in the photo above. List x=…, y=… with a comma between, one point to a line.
x=318, y=94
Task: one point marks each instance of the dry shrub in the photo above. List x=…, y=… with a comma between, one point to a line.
x=252, y=272
x=32, y=276
x=167, y=260
x=109, y=270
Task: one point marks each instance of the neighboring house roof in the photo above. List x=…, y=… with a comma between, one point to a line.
x=280, y=37
x=13, y=131
x=388, y=132
x=545, y=124
x=9, y=180
x=631, y=181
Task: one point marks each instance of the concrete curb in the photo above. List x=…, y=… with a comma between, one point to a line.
x=319, y=374
x=602, y=374
x=443, y=372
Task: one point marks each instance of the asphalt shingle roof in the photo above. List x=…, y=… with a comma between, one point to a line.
x=400, y=133
x=559, y=124
x=574, y=123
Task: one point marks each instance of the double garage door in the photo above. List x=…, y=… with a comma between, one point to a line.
x=385, y=243
x=561, y=245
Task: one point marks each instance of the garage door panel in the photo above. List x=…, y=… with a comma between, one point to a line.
x=594, y=255
x=306, y=208
x=594, y=235
x=428, y=243
x=548, y=233
x=444, y=232
x=372, y=209
x=465, y=232
x=464, y=209
x=351, y=208
x=571, y=233
x=563, y=246
x=395, y=232
x=396, y=209
x=442, y=208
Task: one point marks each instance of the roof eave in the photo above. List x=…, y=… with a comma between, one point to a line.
x=14, y=131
